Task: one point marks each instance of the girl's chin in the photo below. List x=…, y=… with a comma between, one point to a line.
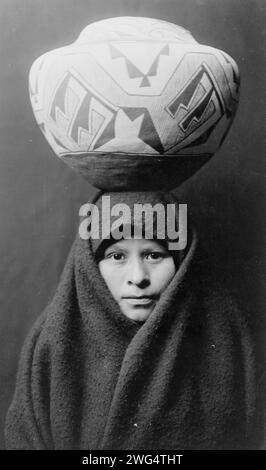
x=138, y=314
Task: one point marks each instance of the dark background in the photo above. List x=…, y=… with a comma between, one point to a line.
x=40, y=196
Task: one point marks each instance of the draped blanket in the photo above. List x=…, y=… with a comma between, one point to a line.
x=91, y=378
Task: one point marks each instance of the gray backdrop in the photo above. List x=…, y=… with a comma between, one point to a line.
x=40, y=197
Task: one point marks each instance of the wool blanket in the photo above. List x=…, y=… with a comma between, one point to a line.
x=91, y=378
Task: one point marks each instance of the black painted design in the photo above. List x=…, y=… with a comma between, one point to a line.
x=197, y=112
x=202, y=139
x=107, y=135
x=80, y=118
x=133, y=71
x=196, y=109
x=59, y=99
x=148, y=133
x=183, y=99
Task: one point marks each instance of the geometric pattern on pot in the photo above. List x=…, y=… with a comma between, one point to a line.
x=122, y=88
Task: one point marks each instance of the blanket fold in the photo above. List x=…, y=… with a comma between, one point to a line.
x=91, y=378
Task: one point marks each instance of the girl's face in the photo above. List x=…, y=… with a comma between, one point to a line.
x=137, y=272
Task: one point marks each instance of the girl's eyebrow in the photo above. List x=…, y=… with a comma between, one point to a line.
x=155, y=247
x=149, y=249
x=146, y=249
x=115, y=248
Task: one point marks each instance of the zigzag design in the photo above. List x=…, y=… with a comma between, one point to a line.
x=78, y=112
x=195, y=101
x=81, y=115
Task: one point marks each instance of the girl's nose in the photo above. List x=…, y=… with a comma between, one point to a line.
x=138, y=274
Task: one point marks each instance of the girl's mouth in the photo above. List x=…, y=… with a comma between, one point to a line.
x=142, y=300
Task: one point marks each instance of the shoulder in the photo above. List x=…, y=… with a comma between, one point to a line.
x=216, y=290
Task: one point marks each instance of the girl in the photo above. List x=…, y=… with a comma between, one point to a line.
x=141, y=348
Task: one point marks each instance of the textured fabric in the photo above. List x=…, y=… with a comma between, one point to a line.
x=91, y=378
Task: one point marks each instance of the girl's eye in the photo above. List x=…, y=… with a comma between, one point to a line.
x=154, y=256
x=116, y=256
